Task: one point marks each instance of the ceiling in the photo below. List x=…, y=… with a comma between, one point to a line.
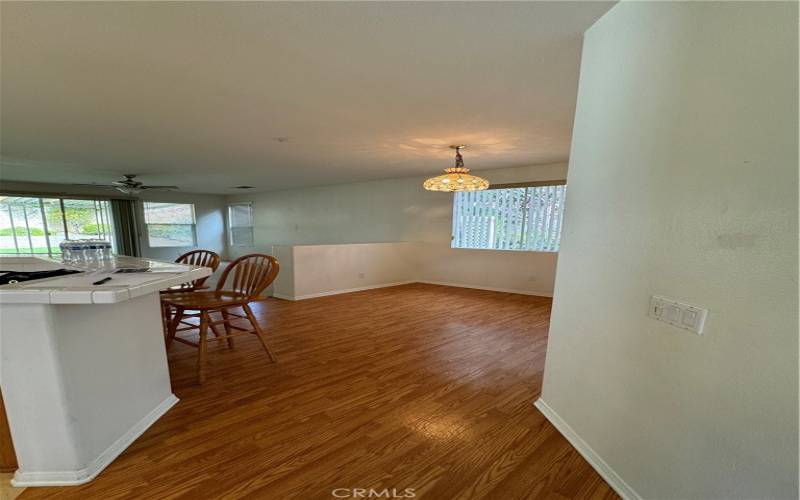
x=198, y=94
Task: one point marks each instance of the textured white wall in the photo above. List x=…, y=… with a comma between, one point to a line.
x=320, y=269
x=397, y=210
x=683, y=182
x=283, y=286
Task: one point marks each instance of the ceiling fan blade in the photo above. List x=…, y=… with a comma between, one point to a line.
x=162, y=188
x=102, y=186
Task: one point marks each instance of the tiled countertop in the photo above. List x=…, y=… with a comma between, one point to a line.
x=78, y=288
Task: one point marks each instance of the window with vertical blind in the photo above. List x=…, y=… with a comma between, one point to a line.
x=522, y=217
x=240, y=224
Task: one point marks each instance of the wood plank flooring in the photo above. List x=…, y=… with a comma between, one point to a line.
x=416, y=386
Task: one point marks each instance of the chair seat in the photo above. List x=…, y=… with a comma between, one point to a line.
x=185, y=287
x=177, y=290
x=204, y=300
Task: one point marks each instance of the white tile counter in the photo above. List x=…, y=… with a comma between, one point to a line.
x=83, y=367
x=78, y=288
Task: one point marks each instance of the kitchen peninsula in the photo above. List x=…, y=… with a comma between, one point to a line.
x=83, y=366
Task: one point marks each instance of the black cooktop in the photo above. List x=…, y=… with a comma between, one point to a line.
x=7, y=277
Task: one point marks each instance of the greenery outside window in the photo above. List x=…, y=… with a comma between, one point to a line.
x=170, y=224
x=37, y=225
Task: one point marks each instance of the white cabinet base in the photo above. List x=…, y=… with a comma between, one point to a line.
x=72, y=478
x=80, y=382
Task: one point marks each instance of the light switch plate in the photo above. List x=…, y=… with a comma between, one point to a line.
x=677, y=313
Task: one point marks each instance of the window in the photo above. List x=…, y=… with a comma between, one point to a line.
x=515, y=218
x=240, y=224
x=170, y=224
x=37, y=225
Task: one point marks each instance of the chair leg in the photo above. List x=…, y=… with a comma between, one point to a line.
x=165, y=318
x=214, y=330
x=258, y=330
x=228, y=328
x=173, y=325
x=201, y=358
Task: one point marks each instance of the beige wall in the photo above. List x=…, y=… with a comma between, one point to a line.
x=396, y=211
x=683, y=182
x=314, y=270
x=325, y=269
x=209, y=214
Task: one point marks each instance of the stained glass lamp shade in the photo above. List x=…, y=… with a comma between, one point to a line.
x=456, y=178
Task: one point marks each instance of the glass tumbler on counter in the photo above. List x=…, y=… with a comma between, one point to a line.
x=85, y=251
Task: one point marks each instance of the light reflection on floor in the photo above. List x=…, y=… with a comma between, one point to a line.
x=440, y=428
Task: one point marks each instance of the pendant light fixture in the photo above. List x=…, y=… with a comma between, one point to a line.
x=456, y=178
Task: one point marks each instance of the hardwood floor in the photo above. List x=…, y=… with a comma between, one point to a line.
x=417, y=386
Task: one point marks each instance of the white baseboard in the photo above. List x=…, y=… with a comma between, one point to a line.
x=489, y=288
x=613, y=479
x=397, y=283
x=81, y=476
x=282, y=296
x=337, y=292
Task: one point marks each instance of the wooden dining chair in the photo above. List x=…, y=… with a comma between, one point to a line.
x=250, y=276
x=202, y=258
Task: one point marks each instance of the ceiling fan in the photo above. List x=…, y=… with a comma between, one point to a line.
x=130, y=186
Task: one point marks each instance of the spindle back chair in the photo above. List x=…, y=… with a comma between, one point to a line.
x=202, y=258
x=250, y=275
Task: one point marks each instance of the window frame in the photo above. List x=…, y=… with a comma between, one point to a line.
x=103, y=212
x=518, y=185
x=249, y=205
x=148, y=224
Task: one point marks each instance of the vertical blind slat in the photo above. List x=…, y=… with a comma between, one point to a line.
x=559, y=206
x=548, y=212
x=509, y=219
